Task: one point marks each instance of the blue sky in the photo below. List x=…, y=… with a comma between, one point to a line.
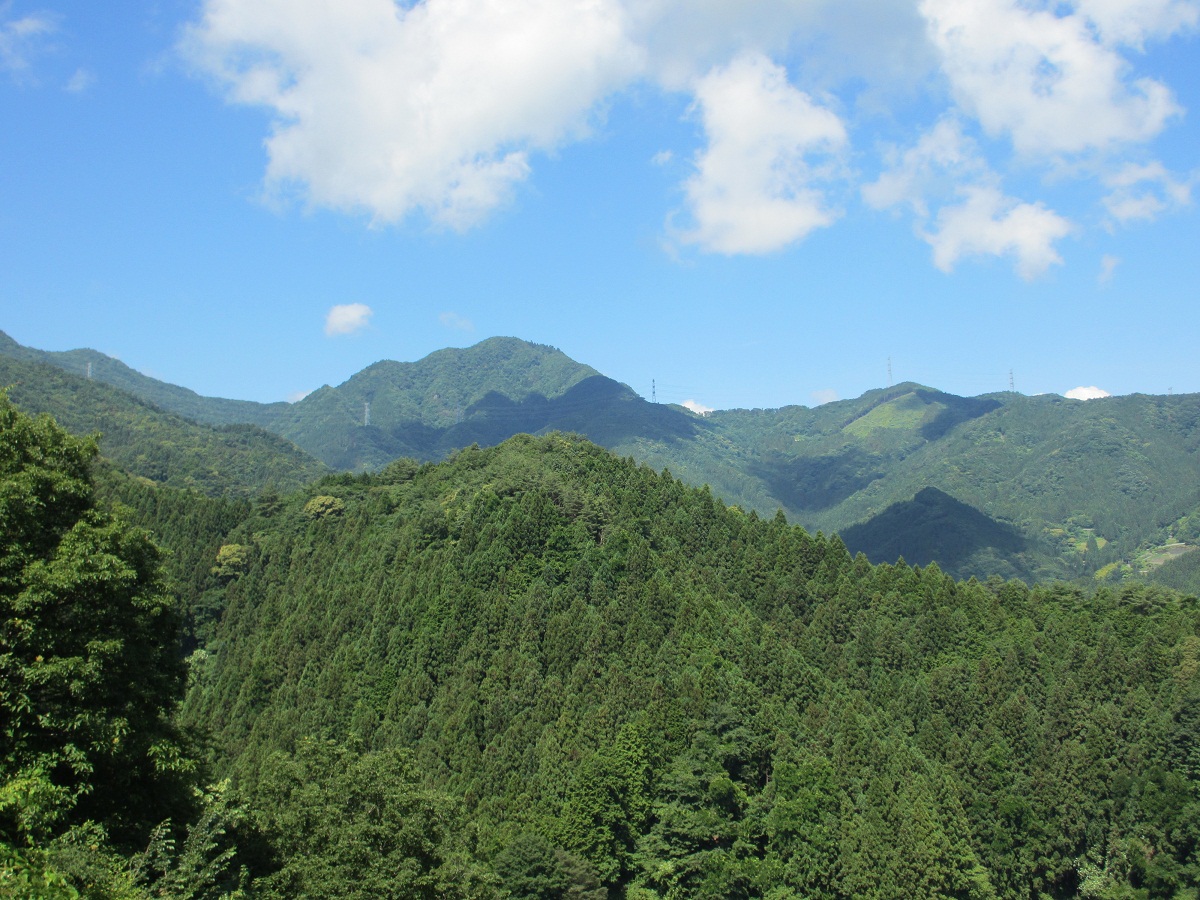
x=751, y=204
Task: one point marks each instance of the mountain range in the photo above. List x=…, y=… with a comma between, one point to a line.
x=1002, y=484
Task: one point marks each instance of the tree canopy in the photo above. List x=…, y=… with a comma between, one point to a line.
x=90, y=670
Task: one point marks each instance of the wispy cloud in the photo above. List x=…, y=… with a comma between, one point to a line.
x=347, y=318
x=1145, y=191
x=698, y=408
x=455, y=321
x=826, y=395
x=959, y=207
x=987, y=223
x=1108, y=266
x=80, y=81
x=432, y=107
x=757, y=183
x=22, y=38
x=1053, y=81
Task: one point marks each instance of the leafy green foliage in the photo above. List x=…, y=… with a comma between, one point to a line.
x=606, y=683
x=358, y=825
x=191, y=529
x=321, y=507
x=531, y=868
x=26, y=874
x=205, y=864
x=89, y=652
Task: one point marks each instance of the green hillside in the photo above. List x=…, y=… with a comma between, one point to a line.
x=934, y=527
x=96, y=366
x=1181, y=573
x=393, y=409
x=1084, y=484
x=1080, y=487
x=539, y=670
x=165, y=448
x=1093, y=481
x=689, y=701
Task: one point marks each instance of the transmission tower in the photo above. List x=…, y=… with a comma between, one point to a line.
x=366, y=412
x=1011, y=386
x=889, y=371
x=653, y=392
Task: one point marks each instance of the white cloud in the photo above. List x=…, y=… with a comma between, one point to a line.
x=297, y=396
x=455, y=321
x=1131, y=22
x=1054, y=83
x=826, y=395
x=698, y=408
x=434, y=106
x=441, y=108
x=80, y=81
x=929, y=171
x=21, y=39
x=1086, y=393
x=1108, y=265
x=755, y=187
x=990, y=224
x=1145, y=191
x=347, y=318
x=945, y=171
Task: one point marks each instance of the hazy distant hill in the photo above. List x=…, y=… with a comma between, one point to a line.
x=96, y=366
x=1086, y=483
x=1077, y=486
x=450, y=398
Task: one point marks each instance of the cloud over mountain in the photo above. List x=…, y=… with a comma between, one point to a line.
x=1090, y=392
x=347, y=318
x=443, y=108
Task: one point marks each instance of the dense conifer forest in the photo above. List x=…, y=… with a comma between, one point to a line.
x=539, y=670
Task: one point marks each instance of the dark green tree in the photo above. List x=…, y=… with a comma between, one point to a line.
x=531, y=868
x=344, y=824
x=90, y=668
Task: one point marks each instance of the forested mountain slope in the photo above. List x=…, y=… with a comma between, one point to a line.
x=538, y=670
x=1032, y=487
x=229, y=460
x=96, y=366
x=454, y=398
x=387, y=410
x=1068, y=486
x=609, y=667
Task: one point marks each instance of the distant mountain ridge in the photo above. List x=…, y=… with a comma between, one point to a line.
x=96, y=366
x=231, y=460
x=1077, y=486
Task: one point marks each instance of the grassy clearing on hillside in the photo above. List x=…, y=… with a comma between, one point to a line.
x=1156, y=556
